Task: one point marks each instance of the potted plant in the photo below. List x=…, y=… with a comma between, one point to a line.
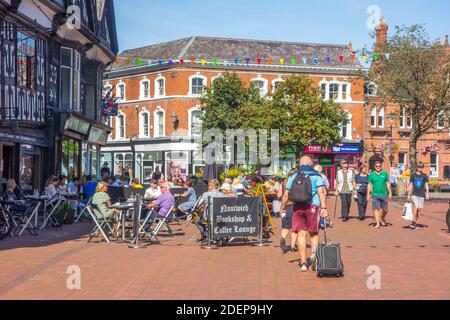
x=66, y=214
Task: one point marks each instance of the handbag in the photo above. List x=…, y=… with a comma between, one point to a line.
x=407, y=212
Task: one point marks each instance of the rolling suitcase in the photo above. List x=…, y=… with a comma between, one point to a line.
x=328, y=259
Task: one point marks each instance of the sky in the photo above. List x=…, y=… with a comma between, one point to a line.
x=145, y=22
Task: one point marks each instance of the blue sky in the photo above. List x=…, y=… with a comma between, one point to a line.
x=145, y=22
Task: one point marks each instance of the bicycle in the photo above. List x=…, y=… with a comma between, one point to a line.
x=6, y=222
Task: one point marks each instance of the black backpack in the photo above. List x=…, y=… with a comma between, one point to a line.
x=301, y=189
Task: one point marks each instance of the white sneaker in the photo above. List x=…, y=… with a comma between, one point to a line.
x=303, y=267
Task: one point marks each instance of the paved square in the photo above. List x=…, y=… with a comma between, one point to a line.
x=414, y=265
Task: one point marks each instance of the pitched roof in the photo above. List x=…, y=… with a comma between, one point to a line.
x=222, y=49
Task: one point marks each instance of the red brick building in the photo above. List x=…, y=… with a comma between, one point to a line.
x=159, y=102
x=384, y=120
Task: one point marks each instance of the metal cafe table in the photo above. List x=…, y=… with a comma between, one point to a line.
x=124, y=207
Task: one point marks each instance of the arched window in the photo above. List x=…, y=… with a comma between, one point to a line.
x=373, y=116
x=370, y=89
x=160, y=86
x=195, y=122
x=381, y=118
x=159, y=122
x=347, y=127
x=144, y=124
x=145, y=89
x=197, y=85
x=120, y=94
x=121, y=126
x=261, y=84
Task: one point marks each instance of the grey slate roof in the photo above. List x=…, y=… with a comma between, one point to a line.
x=222, y=49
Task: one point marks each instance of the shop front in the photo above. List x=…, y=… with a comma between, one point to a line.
x=330, y=158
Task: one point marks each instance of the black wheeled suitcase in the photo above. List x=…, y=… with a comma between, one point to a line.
x=328, y=259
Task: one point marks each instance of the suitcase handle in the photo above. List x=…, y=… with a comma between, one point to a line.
x=325, y=230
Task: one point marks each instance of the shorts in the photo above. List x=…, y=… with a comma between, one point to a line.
x=286, y=222
x=418, y=202
x=305, y=218
x=380, y=203
x=405, y=180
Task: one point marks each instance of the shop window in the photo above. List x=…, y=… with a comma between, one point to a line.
x=119, y=164
x=434, y=165
x=70, y=165
x=26, y=61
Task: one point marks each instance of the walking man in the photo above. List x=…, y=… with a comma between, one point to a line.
x=344, y=188
x=306, y=189
x=418, y=192
x=379, y=191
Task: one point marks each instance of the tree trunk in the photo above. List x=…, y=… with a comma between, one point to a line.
x=413, y=152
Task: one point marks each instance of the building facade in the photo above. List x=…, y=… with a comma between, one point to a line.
x=53, y=54
x=387, y=129
x=159, y=106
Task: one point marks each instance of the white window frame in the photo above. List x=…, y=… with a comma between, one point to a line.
x=118, y=126
x=436, y=175
x=119, y=84
x=349, y=126
x=265, y=89
x=381, y=115
x=195, y=76
x=406, y=158
x=141, y=124
x=408, y=120
x=373, y=116
x=327, y=89
x=402, y=118
x=156, y=123
x=348, y=92
x=190, y=111
x=142, y=96
x=441, y=116
x=339, y=88
x=275, y=81
x=367, y=84
x=157, y=86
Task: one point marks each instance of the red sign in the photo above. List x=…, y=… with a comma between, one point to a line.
x=317, y=149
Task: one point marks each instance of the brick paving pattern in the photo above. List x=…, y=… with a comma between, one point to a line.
x=414, y=265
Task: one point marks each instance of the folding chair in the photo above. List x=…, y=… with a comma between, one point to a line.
x=83, y=211
x=100, y=222
x=190, y=213
x=26, y=219
x=160, y=223
x=54, y=206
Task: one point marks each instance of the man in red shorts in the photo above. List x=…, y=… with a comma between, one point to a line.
x=306, y=215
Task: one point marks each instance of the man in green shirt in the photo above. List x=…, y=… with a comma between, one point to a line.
x=378, y=191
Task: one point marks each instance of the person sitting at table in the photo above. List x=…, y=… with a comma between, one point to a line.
x=9, y=195
x=89, y=187
x=74, y=185
x=51, y=191
x=227, y=190
x=136, y=184
x=164, y=203
x=238, y=187
x=192, y=198
x=62, y=184
x=213, y=191
x=153, y=192
x=104, y=204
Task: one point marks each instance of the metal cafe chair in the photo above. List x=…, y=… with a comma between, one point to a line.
x=100, y=223
x=54, y=203
x=25, y=219
x=160, y=222
x=83, y=211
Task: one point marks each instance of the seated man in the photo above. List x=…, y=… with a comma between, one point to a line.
x=9, y=195
x=164, y=202
x=153, y=192
x=89, y=187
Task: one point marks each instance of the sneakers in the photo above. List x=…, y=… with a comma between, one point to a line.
x=303, y=267
x=283, y=245
x=313, y=260
x=294, y=249
x=413, y=225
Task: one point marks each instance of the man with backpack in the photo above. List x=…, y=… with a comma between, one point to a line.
x=306, y=189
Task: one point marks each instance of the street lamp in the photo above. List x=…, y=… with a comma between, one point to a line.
x=133, y=149
x=175, y=120
x=391, y=119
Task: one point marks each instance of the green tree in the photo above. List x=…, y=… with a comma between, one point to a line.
x=415, y=77
x=303, y=117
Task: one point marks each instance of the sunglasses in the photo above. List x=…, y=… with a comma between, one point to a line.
x=378, y=167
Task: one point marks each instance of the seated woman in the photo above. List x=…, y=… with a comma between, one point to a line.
x=192, y=198
x=51, y=190
x=213, y=185
x=103, y=201
x=10, y=196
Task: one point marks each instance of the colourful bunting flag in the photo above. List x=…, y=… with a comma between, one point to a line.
x=138, y=62
x=315, y=60
x=160, y=62
x=117, y=59
x=328, y=58
x=203, y=62
x=225, y=63
x=281, y=60
x=341, y=58
x=170, y=62
x=236, y=60
x=364, y=57
x=149, y=61
x=247, y=61
x=192, y=61
x=270, y=60
x=376, y=56
x=352, y=58
x=305, y=60
x=214, y=62
x=387, y=56
x=259, y=60
x=128, y=60
x=181, y=61
x=293, y=60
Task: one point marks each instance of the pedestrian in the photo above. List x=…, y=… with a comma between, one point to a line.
x=319, y=169
x=406, y=175
x=360, y=186
x=393, y=179
x=379, y=192
x=286, y=222
x=418, y=192
x=344, y=189
x=306, y=214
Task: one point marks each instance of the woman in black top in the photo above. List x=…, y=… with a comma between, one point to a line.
x=360, y=186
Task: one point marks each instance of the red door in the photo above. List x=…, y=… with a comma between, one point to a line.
x=329, y=172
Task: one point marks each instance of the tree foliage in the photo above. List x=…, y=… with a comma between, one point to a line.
x=416, y=77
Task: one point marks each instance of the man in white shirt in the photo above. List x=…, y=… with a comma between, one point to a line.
x=153, y=192
x=344, y=188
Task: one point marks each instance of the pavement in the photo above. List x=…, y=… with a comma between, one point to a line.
x=408, y=264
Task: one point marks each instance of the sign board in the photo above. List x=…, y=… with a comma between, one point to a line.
x=333, y=150
x=18, y=138
x=346, y=149
x=235, y=217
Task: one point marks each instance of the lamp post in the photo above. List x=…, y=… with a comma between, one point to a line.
x=133, y=150
x=175, y=120
x=391, y=119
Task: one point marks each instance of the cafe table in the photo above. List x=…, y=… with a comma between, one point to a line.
x=123, y=207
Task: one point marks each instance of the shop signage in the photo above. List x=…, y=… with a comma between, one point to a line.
x=317, y=149
x=18, y=138
x=235, y=217
x=326, y=160
x=346, y=149
x=332, y=150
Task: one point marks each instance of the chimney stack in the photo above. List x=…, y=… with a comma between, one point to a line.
x=381, y=34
